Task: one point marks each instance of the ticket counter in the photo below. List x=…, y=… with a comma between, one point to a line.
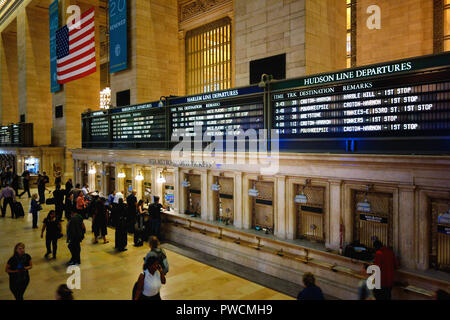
x=310, y=209
x=440, y=234
x=223, y=193
x=262, y=206
x=168, y=200
x=373, y=217
x=192, y=184
x=147, y=186
x=110, y=172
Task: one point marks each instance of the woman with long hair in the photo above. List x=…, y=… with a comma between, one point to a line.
x=17, y=268
x=53, y=233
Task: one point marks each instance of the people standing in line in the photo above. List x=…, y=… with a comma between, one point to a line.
x=139, y=225
x=155, y=217
x=132, y=210
x=53, y=228
x=157, y=252
x=64, y=293
x=111, y=198
x=69, y=186
x=121, y=226
x=69, y=206
x=42, y=181
x=386, y=260
x=99, y=221
x=311, y=291
x=118, y=195
x=35, y=208
x=364, y=293
x=9, y=197
x=150, y=281
x=81, y=205
x=26, y=184
x=58, y=195
x=75, y=235
x=58, y=178
x=17, y=268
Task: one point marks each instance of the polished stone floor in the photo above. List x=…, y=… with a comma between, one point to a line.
x=110, y=275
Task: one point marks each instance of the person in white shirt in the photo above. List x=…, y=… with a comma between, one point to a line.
x=150, y=281
x=118, y=195
x=85, y=190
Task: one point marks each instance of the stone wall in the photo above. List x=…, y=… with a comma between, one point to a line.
x=265, y=28
x=406, y=31
x=8, y=74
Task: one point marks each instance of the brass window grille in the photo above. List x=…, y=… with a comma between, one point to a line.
x=208, y=57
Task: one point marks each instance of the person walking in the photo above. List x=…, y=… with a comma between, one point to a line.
x=42, y=181
x=75, y=235
x=15, y=183
x=35, y=208
x=26, y=184
x=155, y=217
x=150, y=281
x=69, y=207
x=364, y=293
x=17, y=268
x=311, y=291
x=53, y=228
x=58, y=195
x=9, y=197
x=387, y=262
x=157, y=252
x=121, y=226
x=139, y=225
x=99, y=221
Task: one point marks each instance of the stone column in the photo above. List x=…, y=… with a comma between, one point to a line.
x=246, y=213
x=34, y=71
x=182, y=205
x=291, y=228
x=139, y=184
x=9, y=107
x=211, y=197
x=237, y=197
x=204, y=195
x=280, y=207
x=335, y=219
x=406, y=230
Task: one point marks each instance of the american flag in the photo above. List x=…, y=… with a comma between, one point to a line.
x=75, y=49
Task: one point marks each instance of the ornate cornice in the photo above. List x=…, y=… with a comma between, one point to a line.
x=190, y=8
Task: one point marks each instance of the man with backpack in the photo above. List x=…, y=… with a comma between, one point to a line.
x=159, y=253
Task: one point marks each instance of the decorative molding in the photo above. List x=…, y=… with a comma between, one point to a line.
x=191, y=8
x=438, y=26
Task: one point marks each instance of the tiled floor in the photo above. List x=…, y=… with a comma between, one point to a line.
x=109, y=275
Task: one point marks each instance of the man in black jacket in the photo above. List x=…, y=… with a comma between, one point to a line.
x=26, y=183
x=58, y=195
x=132, y=211
x=75, y=235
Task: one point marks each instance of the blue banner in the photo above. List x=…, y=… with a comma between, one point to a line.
x=117, y=35
x=54, y=24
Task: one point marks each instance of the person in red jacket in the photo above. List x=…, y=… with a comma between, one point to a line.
x=388, y=263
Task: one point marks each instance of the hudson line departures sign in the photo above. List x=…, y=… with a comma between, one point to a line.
x=54, y=24
x=118, y=49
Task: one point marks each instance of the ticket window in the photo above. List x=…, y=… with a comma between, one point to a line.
x=262, y=206
x=169, y=189
x=194, y=196
x=440, y=234
x=110, y=179
x=310, y=203
x=32, y=165
x=373, y=218
x=224, y=200
x=128, y=182
x=147, y=186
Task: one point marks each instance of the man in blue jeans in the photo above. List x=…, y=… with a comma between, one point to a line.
x=155, y=217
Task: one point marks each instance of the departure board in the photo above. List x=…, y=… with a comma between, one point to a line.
x=5, y=135
x=327, y=109
x=99, y=126
x=140, y=125
x=212, y=115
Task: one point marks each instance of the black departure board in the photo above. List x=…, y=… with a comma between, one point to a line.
x=330, y=109
x=99, y=126
x=139, y=125
x=5, y=135
x=218, y=113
